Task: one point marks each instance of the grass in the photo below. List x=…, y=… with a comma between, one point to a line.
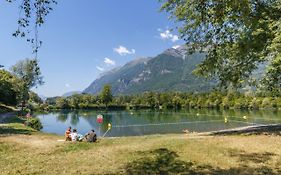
x=31, y=152
x=15, y=126
x=6, y=108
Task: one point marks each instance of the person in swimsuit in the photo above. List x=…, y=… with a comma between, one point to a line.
x=67, y=134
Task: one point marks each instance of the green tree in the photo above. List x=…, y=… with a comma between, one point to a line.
x=62, y=103
x=176, y=101
x=149, y=97
x=236, y=35
x=75, y=100
x=29, y=74
x=32, y=15
x=106, y=95
x=8, y=88
x=164, y=100
x=272, y=83
x=33, y=97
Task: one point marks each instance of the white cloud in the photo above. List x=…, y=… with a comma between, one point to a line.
x=108, y=61
x=167, y=35
x=67, y=85
x=121, y=50
x=175, y=38
x=100, y=68
x=176, y=46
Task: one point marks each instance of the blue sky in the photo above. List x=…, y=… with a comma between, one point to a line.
x=82, y=39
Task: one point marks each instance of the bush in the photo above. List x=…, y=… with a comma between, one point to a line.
x=256, y=103
x=266, y=103
x=34, y=123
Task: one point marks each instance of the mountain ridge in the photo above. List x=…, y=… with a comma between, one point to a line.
x=170, y=70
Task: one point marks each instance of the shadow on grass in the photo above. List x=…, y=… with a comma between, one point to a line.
x=12, y=129
x=243, y=169
x=163, y=161
x=11, y=124
x=251, y=157
x=159, y=161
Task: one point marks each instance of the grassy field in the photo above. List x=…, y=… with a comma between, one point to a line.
x=24, y=151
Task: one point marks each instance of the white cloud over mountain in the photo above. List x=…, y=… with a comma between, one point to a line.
x=109, y=61
x=176, y=46
x=167, y=35
x=121, y=50
x=100, y=68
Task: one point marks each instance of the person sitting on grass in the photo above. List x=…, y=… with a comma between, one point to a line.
x=67, y=134
x=80, y=137
x=91, y=136
x=74, y=135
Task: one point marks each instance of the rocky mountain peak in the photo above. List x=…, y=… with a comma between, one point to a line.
x=160, y=73
x=177, y=51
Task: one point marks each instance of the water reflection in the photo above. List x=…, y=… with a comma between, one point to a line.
x=74, y=118
x=142, y=122
x=62, y=117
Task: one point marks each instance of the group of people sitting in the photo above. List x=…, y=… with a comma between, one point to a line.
x=91, y=136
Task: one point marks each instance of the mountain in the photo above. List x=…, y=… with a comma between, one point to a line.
x=168, y=71
x=43, y=98
x=68, y=94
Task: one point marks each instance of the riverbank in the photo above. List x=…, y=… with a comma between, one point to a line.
x=5, y=109
x=4, y=117
x=25, y=151
x=7, y=113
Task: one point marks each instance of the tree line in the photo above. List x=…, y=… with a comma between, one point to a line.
x=165, y=100
x=16, y=84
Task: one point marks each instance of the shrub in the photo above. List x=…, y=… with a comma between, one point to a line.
x=34, y=123
x=256, y=103
x=266, y=103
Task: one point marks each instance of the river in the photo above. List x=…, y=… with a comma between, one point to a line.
x=146, y=122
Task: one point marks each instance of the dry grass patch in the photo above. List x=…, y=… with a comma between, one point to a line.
x=39, y=153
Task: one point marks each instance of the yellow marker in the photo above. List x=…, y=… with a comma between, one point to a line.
x=131, y=113
x=245, y=117
x=197, y=114
x=225, y=120
x=108, y=126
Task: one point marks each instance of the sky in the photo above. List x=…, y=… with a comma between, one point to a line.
x=84, y=38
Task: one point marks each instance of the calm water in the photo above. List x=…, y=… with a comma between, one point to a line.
x=144, y=122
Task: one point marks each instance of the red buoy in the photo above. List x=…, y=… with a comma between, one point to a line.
x=99, y=118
